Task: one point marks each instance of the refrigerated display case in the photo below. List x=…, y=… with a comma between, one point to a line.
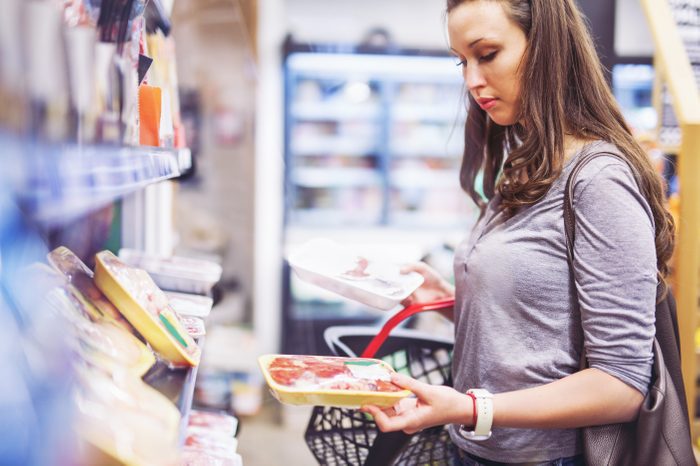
x=373, y=144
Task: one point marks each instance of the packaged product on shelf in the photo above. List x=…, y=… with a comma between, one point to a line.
x=194, y=326
x=219, y=422
x=111, y=348
x=330, y=381
x=147, y=309
x=126, y=419
x=81, y=277
x=175, y=273
x=211, y=441
x=45, y=73
x=339, y=269
x=194, y=456
x=149, y=115
x=190, y=304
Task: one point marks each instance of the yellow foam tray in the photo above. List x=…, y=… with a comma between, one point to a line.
x=149, y=326
x=329, y=397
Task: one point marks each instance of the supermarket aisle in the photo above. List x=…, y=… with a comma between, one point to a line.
x=275, y=436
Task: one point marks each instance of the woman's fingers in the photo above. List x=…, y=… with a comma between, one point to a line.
x=385, y=422
x=408, y=301
x=420, y=267
x=405, y=404
x=406, y=421
x=420, y=389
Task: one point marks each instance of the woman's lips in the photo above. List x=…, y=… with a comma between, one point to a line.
x=486, y=103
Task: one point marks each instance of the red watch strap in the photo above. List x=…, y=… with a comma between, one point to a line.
x=474, y=410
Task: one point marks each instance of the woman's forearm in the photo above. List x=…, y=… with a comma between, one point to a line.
x=586, y=398
x=589, y=397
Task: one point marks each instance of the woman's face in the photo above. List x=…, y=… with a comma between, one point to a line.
x=490, y=48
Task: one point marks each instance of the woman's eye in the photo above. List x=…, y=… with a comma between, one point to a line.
x=461, y=62
x=487, y=57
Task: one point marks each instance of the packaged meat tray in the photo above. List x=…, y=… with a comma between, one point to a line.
x=330, y=381
x=343, y=271
x=126, y=419
x=110, y=347
x=219, y=422
x=146, y=307
x=81, y=278
x=175, y=273
x=194, y=326
x=194, y=456
x=190, y=304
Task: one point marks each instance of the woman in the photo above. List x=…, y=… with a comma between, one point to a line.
x=539, y=101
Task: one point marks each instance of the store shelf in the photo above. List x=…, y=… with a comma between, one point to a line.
x=424, y=179
x=401, y=68
x=336, y=178
x=333, y=217
x=425, y=220
x=335, y=145
x=57, y=183
x=424, y=152
x=177, y=385
x=447, y=113
x=320, y=111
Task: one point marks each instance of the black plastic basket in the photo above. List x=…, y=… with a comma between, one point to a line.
x=347, y=437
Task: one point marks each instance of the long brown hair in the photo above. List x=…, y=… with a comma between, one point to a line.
x=563, y=90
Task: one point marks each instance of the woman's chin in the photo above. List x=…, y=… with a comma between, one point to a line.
x=502, y=120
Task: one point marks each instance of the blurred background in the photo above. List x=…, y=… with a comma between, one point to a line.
x=203, y=141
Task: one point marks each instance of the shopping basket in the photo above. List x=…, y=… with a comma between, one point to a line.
x=348, y=437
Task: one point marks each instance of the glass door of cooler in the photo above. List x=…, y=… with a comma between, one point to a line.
x=334, y=152
x=425, y=150
x=373, y=145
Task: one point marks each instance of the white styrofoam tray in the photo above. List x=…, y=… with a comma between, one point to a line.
x=342, y=270
x=175, y=273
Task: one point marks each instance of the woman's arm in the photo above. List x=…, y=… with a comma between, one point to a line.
x=586, y=398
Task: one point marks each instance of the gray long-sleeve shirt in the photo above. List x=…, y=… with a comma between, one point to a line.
x=520, y=319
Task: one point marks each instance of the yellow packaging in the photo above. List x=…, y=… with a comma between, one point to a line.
x=128, y=421
x=145, y=306
x=81, y=278
x=110, y=347
x=330, y=381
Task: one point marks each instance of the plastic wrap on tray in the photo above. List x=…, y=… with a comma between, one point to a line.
x=220, y=422
x=81, y=277
x=330, y=381
x=189, y=304
x=102, y=343
x=126, y=419
x=111, y=348
x=147, y=309
x=211, y=441
x=195, y=456
x=194, y=326
x=176, y=273
x=343, y=271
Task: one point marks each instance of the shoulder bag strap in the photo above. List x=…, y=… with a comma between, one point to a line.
x=570, y=218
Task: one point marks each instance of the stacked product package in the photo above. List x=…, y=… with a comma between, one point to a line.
x=121, y=324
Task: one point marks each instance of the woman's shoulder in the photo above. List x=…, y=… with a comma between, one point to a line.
x=608, y=166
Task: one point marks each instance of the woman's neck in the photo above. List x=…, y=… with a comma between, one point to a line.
x=572, y=145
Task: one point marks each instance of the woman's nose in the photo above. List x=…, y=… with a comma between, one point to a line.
x=473, y=77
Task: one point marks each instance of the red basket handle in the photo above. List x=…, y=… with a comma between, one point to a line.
x=399, y=317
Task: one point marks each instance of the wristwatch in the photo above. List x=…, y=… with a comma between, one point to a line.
x=483, y=416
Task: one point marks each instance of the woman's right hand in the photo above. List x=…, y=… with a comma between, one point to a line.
x=434, y=287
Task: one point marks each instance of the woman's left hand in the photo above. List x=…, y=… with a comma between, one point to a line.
x=434, y=405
